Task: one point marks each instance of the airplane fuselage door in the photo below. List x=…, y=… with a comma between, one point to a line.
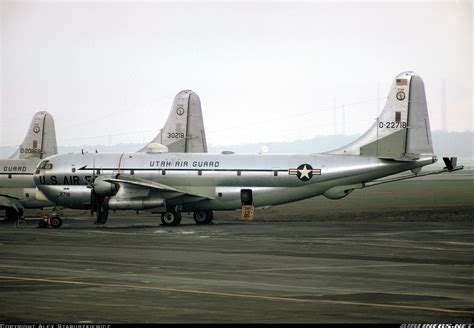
x=246, y=197
x=248, y=209
x=120, y=164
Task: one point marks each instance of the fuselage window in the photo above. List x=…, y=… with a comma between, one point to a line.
x=46, y=165
x=239, y=173
x=163, y=172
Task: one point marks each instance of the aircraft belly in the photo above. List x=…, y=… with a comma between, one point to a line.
x=35, y=203
x=76, y=197
x=27, y=197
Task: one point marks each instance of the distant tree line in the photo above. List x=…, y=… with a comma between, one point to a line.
x=459, y=144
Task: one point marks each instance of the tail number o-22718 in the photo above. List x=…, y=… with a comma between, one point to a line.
x=393, y=125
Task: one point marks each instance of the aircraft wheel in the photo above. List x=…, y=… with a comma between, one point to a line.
x=171, y=218
x=56, y=221
x=12, y=214
x=203, y=217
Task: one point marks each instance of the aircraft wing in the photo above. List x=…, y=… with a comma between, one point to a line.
x=128, y=183
x=10, y=201
x=137, y=182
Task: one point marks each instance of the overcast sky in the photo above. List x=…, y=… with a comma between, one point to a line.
x=264, y=71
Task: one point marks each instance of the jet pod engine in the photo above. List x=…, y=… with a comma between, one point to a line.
x=141, y=203
x=339, y=192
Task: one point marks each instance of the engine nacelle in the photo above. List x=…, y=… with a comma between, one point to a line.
x=103, y=188
x=339, y=192
x=135, y=203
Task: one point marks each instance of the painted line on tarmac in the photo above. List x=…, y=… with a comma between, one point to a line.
x=249, y=296
x=335, y=267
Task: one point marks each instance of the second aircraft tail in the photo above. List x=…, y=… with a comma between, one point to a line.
x=183, y=131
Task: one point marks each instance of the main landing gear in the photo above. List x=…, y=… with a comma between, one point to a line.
x=173, y=217
x=13, y=214
x=203, y=217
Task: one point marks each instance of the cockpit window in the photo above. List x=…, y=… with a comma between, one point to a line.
x=46, y=165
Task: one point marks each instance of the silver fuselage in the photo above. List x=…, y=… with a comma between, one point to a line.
x=217, y=178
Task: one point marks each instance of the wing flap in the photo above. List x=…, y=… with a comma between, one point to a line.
x=167, y=191
x=137, y=182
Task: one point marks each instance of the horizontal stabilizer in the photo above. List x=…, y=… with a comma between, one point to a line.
x=415, y=175
x=451, y=164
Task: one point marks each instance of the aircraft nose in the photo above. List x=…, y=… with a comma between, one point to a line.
x=43, y=171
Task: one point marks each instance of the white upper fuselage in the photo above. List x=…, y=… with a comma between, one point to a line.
x=17, y=173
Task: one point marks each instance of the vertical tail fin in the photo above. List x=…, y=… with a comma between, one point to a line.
x=40, y=140
x=183, y=131
x=402, y=131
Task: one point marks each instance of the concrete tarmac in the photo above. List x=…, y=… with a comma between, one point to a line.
x=134, y=270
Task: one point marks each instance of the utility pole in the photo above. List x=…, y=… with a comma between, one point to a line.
x=444, y=114
x=343, y=121
x=378, y=109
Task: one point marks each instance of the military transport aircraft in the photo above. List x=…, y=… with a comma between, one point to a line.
x=171, y=183
x=18, y=190
x=17, y=187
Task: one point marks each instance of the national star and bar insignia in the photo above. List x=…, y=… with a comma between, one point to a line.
x=304, y=172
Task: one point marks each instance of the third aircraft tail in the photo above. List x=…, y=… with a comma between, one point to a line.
x=402, y=131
